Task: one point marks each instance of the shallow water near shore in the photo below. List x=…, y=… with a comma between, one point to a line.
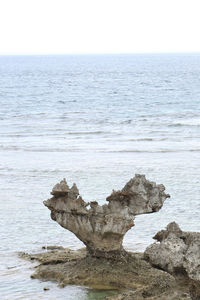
x=95, y=120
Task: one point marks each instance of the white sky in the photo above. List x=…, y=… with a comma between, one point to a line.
x=99, y=26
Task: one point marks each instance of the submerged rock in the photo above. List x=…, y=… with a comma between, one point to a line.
x=102, y=228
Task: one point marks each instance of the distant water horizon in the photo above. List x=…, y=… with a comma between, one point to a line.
x=101, y=53
x=96, y=120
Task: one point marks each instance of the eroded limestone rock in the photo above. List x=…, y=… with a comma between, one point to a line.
x=102, y=228
x=140, y=196
x=176, y=252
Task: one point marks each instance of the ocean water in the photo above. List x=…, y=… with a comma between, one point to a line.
x=95, y=120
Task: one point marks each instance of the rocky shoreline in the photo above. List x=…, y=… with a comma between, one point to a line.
x=132, y=275
x=168, y=269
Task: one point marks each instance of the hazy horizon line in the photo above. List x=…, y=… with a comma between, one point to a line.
x=100, y=53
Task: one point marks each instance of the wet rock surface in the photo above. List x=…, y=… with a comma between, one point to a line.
x=56, y=255
x=102, y=228
x=133, y=277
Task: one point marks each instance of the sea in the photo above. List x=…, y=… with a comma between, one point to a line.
x=96, y=120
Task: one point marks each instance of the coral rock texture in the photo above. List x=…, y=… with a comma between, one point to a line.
x=177, y=252
x=102, y=228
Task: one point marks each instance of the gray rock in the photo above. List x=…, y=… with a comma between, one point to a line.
x=176, y=252
x=140, y=195
x=102, y=228
x=60, y=189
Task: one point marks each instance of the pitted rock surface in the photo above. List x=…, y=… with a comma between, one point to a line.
x=102, y=228
x=176, y=252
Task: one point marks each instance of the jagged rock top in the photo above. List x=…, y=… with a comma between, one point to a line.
x=60, y=189
x=140, y=195
x=171, y=229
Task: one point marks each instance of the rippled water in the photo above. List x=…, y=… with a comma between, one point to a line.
x=96, y=120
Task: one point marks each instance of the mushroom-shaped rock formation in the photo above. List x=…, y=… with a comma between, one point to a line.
x=102, y=228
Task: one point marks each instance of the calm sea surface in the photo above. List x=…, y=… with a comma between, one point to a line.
x=95, y=120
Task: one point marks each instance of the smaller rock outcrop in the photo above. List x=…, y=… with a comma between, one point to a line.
x=177, y=252
x=102, y=228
